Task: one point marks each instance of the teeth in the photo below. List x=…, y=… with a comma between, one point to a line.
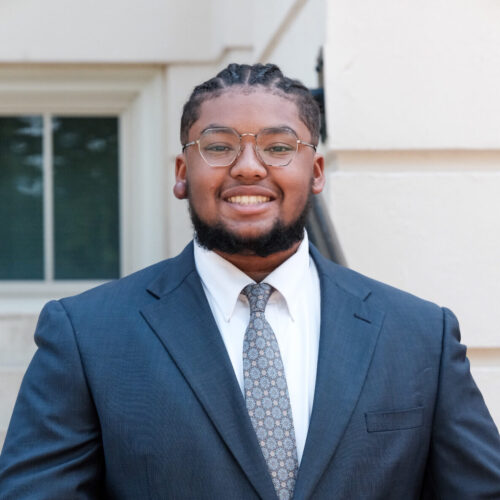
x=248, y=200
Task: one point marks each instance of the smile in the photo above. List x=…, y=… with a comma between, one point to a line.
x=248, y=200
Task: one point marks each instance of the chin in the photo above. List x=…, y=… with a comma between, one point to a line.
x=249, y=232
x=254, y=241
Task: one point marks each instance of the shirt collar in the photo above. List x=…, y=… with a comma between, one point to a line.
x=224, y=281
x=289, y=278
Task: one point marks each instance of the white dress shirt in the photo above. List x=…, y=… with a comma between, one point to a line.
x=293, y=311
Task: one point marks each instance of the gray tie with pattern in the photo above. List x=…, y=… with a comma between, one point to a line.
x=266, y=394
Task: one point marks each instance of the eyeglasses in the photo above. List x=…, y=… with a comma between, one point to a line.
x=221, y=146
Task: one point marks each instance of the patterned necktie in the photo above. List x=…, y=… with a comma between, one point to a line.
x=266, y=394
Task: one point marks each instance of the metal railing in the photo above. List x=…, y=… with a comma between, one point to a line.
x=319, y=226
x=322, y=233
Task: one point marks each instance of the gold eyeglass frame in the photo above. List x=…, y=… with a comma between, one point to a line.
x=232, y=130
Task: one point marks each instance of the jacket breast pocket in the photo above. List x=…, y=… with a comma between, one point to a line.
x=382, y=421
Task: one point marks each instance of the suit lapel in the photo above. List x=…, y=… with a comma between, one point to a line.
x=349, y=332
x=185, y=325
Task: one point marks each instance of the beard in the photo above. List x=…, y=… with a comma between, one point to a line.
x=279, y=238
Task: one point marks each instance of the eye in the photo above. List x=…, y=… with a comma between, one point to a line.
x=218, y=148
x=279, y=148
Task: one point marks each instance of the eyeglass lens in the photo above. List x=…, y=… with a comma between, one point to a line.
x=275, y=147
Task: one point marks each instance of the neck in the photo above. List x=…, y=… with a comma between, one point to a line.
x=259, y=267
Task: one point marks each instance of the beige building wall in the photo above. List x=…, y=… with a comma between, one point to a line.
x=413, y=154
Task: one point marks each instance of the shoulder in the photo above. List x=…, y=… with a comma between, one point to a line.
x=381, y=294
x=133, y=291
x=112, y=311
x=364, y=287
x=131, y=288
x=402, y=311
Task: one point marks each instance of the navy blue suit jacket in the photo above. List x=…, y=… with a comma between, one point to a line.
x=131, y=395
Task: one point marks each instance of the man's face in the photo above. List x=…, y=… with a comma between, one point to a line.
x=248, y=199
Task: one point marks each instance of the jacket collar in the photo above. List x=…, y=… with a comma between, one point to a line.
x=349, y=331
x=183, y=322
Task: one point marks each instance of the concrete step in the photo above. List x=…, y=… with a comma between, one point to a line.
x=16, y=339
x=488, y=380
x=2, y=439
x=10, y=381
x=16, y=350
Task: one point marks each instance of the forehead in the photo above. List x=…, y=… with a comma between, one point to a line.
x=249, y=112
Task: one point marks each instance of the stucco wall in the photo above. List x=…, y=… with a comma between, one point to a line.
x=113, y=31
x=413, y=112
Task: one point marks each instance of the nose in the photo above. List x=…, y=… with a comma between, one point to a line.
x=248, y=164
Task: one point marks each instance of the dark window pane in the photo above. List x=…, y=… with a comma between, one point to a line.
x=86, y=223
x=21, y=198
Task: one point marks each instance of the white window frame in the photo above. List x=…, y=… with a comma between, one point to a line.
x=136, y=96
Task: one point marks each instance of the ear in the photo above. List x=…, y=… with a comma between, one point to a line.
x=180, y=188
x=318, y=181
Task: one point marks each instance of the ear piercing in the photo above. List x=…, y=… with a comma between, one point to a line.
x=180, y=190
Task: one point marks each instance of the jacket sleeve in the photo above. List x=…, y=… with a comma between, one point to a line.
x=465, y=450
x=53, y=447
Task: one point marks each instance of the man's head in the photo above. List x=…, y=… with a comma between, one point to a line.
x=266, y=77
x=256, y=204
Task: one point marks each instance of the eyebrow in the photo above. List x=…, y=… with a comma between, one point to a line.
x=274, y=127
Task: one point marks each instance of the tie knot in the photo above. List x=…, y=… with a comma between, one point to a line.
x=257, y=296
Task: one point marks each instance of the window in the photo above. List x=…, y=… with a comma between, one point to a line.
x=21, y=198
x=82, y=187
x=59, y=198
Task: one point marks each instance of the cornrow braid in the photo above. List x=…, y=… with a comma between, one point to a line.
x=268, y=76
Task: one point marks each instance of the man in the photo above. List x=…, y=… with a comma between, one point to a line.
x=249, y=366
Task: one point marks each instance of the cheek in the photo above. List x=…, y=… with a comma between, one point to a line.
x=202, y=186
x=296, y=188
x=295, y=196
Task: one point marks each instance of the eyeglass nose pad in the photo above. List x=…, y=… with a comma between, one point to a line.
x=255, y=150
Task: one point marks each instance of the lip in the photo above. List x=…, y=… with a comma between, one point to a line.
x=248, y=191
x=248, y=200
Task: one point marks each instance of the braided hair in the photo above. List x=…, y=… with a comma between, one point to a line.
x=266, y=76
